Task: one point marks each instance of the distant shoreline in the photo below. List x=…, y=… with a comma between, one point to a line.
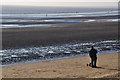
x=92, y=17
x=50, y=22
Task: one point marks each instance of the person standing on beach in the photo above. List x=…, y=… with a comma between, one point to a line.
x=93, y=56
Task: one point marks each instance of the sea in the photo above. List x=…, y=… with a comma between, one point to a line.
x=46, y=16
x=41, y=16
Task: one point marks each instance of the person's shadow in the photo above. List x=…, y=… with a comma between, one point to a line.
x=108, y=68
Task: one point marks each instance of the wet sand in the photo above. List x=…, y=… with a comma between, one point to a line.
x=65, y=68
x=59, y=33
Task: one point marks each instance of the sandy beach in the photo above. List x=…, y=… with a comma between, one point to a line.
x=74, y=67
x=59, y=33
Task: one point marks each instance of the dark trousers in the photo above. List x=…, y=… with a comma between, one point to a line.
x=93, y=61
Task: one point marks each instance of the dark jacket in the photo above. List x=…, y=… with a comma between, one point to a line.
x=92, y=53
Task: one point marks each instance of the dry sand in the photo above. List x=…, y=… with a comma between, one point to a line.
x=65, y=68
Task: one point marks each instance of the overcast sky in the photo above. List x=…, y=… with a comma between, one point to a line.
x=92, y=3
